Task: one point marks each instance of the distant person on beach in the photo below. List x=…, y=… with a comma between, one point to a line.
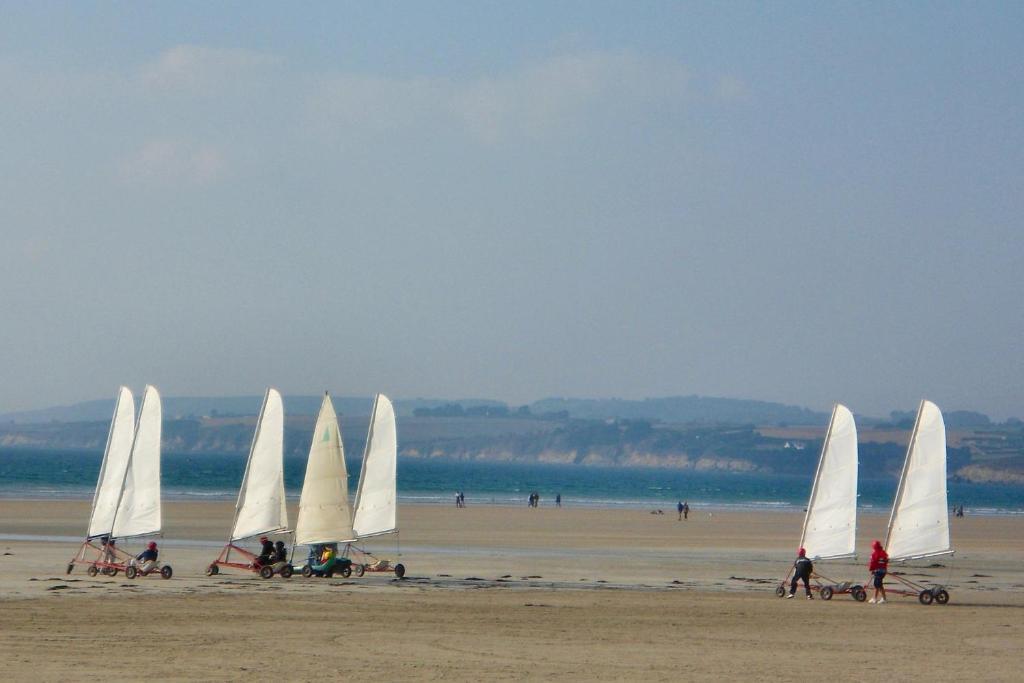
x=679, y=509
x=558, y=500
x=802, y=568
x=147, y=558
x=462, y=499
x=878, y=566
x=686, y=510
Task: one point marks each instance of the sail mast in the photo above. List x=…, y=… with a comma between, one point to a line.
x=817, y=474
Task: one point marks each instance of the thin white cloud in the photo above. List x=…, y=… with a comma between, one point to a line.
x=175, y=162
x=195, y=67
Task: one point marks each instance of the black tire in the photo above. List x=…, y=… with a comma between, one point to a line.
x=212, y=570
x=360, y=570
x=941, y=596
x=826, y=592
x=131, y=572
x=859, y=594
x=266, y=571
x=346, y=571
x=307, y=571
x=925, y=597
x=400, y=570
x=780, y=591
x=92, y=571
x=287, y=571
x=71, y=566
x=114, y=571
x=166, y=571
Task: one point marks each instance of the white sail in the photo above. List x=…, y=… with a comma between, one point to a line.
x=115, y=462
x=261, y=507
x=830, y=526
x=138, y=511
x=324, y=515
x=919, y=524
x=375, y=508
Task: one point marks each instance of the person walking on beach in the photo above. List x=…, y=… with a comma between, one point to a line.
x=802, y=568
x=878, y=566
x=679, y=509
x=558, y=500
x=686, y=510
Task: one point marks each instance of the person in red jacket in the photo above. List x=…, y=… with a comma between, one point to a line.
x=878, y=566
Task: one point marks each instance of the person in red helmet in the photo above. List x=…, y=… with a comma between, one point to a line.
x=147, y=558
x=267, y=552
x=879, y=567
x=802, y=568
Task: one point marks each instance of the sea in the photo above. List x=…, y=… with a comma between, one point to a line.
x=38, y=474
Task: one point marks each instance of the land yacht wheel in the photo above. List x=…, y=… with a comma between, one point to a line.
x=287, y=571
x=131, y=572
x=92, y=571
x=400, y=570
x=166, y=571
x=266, y=571
x=925, y=597
x=859, y=594
x=942, y=597
x=826, y=592
x=307, y=571
x=346, y=571
x=360, y=569
x=71, y=566
x=212, y=570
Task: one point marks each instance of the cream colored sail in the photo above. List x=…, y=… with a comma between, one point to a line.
x=919, y=524
x=375, y=508
x=115, y=463
x=138, y=511
x=830, y=526
x=324, y=515
x=261, y=507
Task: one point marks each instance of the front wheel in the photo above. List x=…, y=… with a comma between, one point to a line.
x=92, y=571
x=400, y=570
x=71, y=566
x=266, y=571
x=826, y=593
x=131, y=572
x=166, y=571
x=286, y=571
x=925, y=597
x=212, y=570
x=360, y=569
x=780, y=591
x=859, y=594
x=942, y=597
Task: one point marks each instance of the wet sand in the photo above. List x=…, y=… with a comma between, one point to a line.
x=508, y=593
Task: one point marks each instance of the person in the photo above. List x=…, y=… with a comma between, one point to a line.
x=107, y=547
x=462, y=499
x=280, y=552
x=802, y=568
x=267, y=552
x=878, y=566
x=458, y=499
x=147, y=558
x=558, y=500
x=679, y=509
x=686, y=510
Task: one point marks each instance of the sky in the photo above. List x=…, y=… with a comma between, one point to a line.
x=791, y=202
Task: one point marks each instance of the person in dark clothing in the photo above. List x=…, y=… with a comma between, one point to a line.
x=558, y=500
x=686, y=510
x=267, y=552
x=802, y=568
x=679, y=509
x=280, y=552
x=147, y=558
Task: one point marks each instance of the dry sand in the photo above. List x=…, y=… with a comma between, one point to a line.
x=508, y=593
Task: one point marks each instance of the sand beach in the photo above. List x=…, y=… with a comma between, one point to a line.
x=508, y=593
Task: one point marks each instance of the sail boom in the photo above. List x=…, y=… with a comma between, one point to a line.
x=262, y=532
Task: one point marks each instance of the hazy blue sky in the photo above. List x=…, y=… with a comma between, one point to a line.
x=514, y=200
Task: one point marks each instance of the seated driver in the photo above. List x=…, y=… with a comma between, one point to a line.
x=266, y=552
x=280, y=554
x=147, y=558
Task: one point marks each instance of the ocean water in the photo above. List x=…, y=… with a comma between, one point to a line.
x=72, y=475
